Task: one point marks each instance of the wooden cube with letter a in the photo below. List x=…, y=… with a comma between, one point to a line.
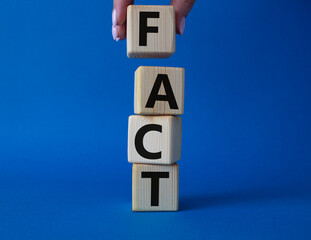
x=155, y=187
x=154, y=139
x=150, y=31
x=159, y=91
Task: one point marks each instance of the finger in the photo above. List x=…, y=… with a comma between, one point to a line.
x=118, y=32
x=119, y=11
x=182, y=9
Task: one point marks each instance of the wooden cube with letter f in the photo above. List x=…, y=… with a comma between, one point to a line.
x=150, y=31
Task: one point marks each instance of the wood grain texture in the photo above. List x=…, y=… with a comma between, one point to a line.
x=145, y=78
x=168, y=188
x=160, y=44
x=168, y=142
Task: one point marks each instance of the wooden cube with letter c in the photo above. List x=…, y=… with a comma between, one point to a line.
x=155, y=187
x=150, y=31
x=154, y=139
x=159, y=91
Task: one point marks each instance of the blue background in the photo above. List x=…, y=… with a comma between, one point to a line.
x=67, y=89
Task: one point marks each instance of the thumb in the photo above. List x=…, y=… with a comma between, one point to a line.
x=182, y=8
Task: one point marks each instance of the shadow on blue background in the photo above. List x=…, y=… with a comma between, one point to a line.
x=67, y=89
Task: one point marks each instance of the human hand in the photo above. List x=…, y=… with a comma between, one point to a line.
x=182, y=8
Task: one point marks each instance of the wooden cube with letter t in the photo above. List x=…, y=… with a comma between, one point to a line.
x=159, y=91
x=155, y=187
x=150, y=31
x=154, y=139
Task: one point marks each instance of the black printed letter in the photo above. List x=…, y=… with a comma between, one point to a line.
x=144, y=29
x=139, y=141
x=155, y=179
x=154, y=96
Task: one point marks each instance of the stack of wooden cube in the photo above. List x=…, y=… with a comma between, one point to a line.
x=154, y=134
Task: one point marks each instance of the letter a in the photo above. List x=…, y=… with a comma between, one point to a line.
x=154, y=96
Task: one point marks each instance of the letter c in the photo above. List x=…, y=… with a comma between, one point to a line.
x=139, y=141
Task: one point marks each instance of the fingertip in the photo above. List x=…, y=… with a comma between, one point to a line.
x=118, y=32
x=114, y=17
x=182, y=7
x=181, y=26
x=114, y=33
x=121, y=10
x=123, y=37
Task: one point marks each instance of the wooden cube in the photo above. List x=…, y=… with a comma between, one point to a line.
x=150, y=31
x=159, y=91
x=155, y=187
x=154, y=139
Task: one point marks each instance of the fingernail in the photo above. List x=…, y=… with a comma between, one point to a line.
x=114, y=33
x=114, y=17
x=182, y=24
x=117, y=39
